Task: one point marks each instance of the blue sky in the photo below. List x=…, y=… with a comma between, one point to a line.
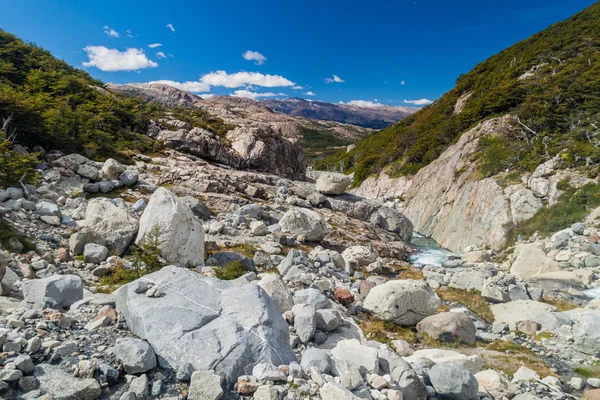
x=377, y=51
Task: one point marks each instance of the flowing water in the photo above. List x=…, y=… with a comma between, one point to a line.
x=429, y=252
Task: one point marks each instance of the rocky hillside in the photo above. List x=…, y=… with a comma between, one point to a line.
x=317, y=137
x=178, y=278
x=375, y=117
x=514, y=135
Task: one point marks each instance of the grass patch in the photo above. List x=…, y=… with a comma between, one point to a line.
x=471, y=299
x=509, y=364
x=120, y=276
x=407, y=272
x=543, y=335
x=587, y=372
x=231, y=271
x=316, y=143
x=560, y=304
x=385, y=331
x=247, y=249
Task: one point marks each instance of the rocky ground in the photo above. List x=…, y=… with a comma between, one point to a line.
x=316, y=300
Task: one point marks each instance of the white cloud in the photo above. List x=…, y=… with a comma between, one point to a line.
x=111, y=32
x=154, y=45
x=403, y=83
x=110, y=60
x=419, y=102
x=335, y=79
x=253, y=95
x=189, y=86
x=170, y=26
x=298, y=87
x=240, y=79
x=128, y=32
x=206, y=95
x=364, y=103
x=255, y=56
x=160, y=54
x=309, y=93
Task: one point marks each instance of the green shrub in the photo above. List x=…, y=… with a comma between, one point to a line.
x=231, y=271
x=146, y=255
x=15, y=166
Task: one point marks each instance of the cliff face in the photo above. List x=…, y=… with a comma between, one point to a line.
x=446, y=201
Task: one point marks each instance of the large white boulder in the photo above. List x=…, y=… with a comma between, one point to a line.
x=519, y=310
x=532, y=260
x=305, y=223
x=181, y=234
x=405, y=302
x=332, y=183
x=108, y=225
x=209, y=323
x=473, y=363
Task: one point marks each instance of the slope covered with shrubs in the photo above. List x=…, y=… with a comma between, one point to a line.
x=550, y=82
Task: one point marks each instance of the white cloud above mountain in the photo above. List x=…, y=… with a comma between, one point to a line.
x=419, y=102
x=110, y=32
x=255, y=56
x=335, y=79
x=188, y=86
x=154, y=45
x=309, y=93
x=363, y=103
x=111, y=60
x=171, y=27
x=160, y=54
x=254, y=95
x=241, y=79
x=298, y=87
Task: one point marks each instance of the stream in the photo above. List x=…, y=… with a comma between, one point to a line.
x=429, y=252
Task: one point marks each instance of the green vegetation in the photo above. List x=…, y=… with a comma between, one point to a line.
x=247, y=249
x=587, y=372
x=146, y=255
x=572, y=206
x=471, y=299
x=231, y=271
x=385, y=331
x=146, y=259
x=15, y=166
x=320, y=143
x=56, y=106
x=556, y=106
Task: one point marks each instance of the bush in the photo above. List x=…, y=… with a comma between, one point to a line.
x=146, y=255
x=231, y=271
x=14, y=165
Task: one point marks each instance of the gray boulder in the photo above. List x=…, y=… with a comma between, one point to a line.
x=181, y=235
x=393, y=221
x=336, y=391
x=111, y=169
x=449, y=327
x=199, y=209
x=205, y=385
x=129, y=177
x=405, y=302
x=332, y=183
x=58, y=291
x=109, y=225
x=362, y=356
x=63, y=386
x=314, y=357
x=453, y=382
x=135, y=355
x=277, y=290
x=238, y=324
x=306, y=223
x=95, y=253
x=587, y=337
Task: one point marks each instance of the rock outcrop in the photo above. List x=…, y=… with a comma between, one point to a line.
x=238, y=325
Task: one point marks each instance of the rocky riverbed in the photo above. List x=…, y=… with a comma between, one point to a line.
x=276, y=289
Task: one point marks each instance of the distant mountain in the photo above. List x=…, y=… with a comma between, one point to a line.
x=374, y=117
x=318, y=138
